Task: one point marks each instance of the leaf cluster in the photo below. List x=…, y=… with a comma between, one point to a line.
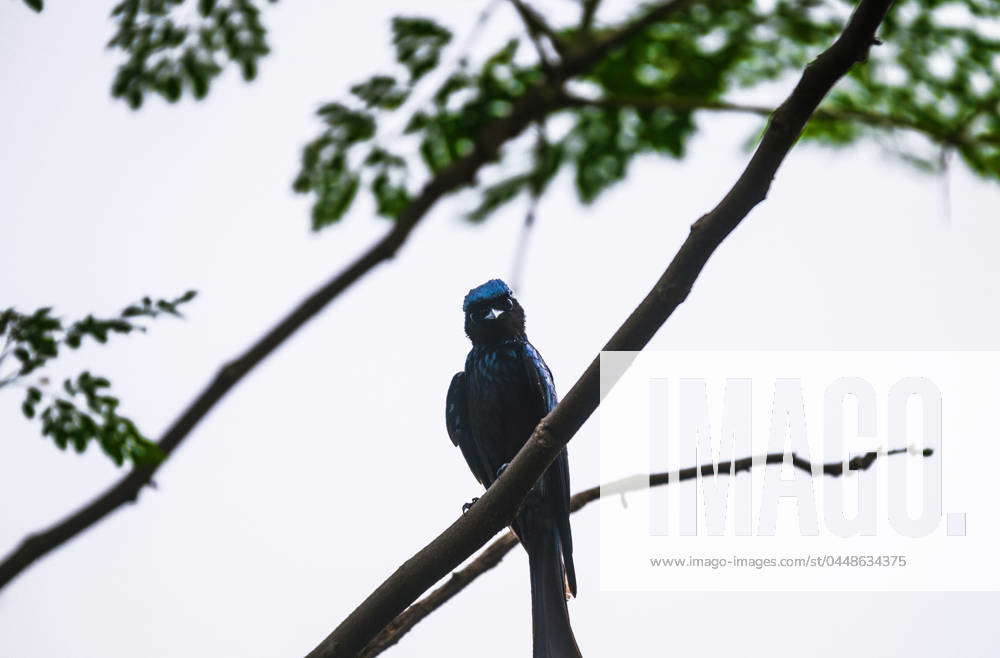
x=936, y=76
x=937, y=73
x=96, y=418
x=344, y=156
x=167, y=56
x=35, y=339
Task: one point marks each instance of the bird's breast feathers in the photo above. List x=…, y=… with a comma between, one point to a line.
x=494, y=364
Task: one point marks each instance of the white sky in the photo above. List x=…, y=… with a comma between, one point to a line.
x=330, y=464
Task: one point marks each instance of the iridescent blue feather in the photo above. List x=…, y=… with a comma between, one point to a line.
x=492, y=289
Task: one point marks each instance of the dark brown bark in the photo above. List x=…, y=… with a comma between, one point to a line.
x=498, y=505
x=498, y=549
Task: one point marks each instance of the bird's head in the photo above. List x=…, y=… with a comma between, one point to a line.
x=492, y=315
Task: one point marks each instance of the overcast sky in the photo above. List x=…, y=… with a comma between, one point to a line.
x=330, y=464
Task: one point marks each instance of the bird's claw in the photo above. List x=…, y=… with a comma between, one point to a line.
x=503, y=467
x=467, y=506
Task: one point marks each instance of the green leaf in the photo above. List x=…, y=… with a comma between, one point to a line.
x=34, y=4
x=88, y=411
x=346, y=126
x=98, y=420
x=168, y=49
x=418, y=43
x=381, y=91
x=337, y=198
x=498, y=194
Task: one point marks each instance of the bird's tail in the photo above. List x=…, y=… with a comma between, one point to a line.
x=552, y=635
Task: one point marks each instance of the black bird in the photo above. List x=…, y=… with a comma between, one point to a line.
x=492, y=408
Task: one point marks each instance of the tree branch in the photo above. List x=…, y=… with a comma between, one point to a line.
x=536, y=26
x=496, y=551
x=497, y=506
x=537, y=102
x=588, y=14
x=867, y=117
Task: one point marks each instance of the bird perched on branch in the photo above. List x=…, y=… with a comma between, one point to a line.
x=492, y=409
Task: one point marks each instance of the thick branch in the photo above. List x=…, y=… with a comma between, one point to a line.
x=536, y=103
x=500, y=502
x=495, y=552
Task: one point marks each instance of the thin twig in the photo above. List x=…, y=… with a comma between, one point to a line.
x=588, y=14
x=535, y=192
x=945, y=162
x=4, y=353
x=497, y=506
x=534, y=36
x=477, y=28
x=496, y=551
x=521, y=250
x=536, y=27
x=868, y=117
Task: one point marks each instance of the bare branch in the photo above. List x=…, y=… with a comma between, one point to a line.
x=535, y=103
x=521, y=250
x=535, y=192
x=496, y=551
x=588, y=14
x=497, y=506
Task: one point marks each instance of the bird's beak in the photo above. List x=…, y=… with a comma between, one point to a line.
x=494, y=313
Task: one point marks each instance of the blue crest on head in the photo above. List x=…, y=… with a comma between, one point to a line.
x=492, y=289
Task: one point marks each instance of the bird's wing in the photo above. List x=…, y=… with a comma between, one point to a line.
x=457, y=421
x=454, y=412
x=540, y=378
x=544, y=388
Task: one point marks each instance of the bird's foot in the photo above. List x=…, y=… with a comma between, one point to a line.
x=467, y=506
x=503, y=467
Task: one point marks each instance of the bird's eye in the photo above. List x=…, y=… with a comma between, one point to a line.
x=483, y=313
x=506, y=303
